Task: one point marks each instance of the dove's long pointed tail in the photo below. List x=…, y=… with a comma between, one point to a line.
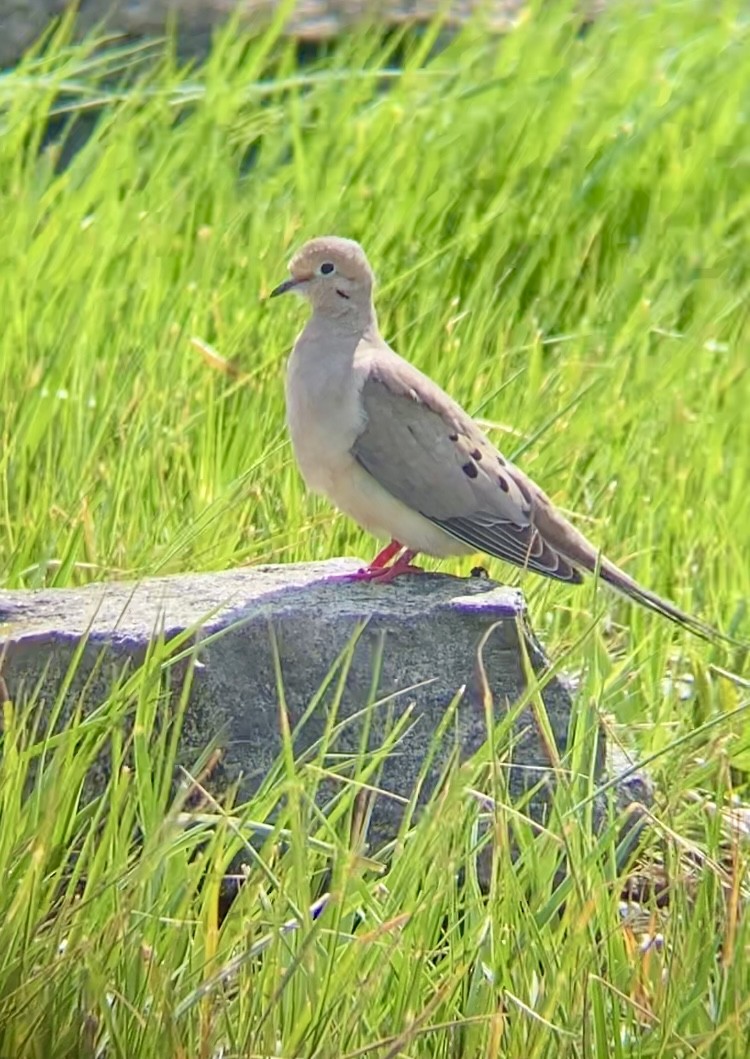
x=620, y=581
x=562, y=535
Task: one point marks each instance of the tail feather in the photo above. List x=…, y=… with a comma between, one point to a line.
x=562, y=537
x=619, y=580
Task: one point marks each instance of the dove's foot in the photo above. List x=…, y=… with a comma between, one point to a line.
x=402, y=565
x=380, y=571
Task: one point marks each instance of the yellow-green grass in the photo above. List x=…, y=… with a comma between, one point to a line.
x=560, y=226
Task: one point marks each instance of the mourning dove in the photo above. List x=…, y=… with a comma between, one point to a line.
x=391, y=449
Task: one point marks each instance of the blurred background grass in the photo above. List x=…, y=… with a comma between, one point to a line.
x=559, y=221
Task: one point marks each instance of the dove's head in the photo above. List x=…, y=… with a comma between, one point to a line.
x=334, y=275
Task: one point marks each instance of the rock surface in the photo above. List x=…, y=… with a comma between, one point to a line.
x=417, y=642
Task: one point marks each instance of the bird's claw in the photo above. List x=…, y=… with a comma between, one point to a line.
x=384, y=574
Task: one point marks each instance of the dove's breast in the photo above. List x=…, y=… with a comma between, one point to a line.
x=325, y=416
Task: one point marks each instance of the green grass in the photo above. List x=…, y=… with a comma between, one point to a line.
x=561, y=227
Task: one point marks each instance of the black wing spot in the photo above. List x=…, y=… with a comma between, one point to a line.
x=476, y=455
x=453, y=437
x=503, y=482
x=470, y=469
x=501, y=461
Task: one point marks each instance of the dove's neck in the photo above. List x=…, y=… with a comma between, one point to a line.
x=356, y=322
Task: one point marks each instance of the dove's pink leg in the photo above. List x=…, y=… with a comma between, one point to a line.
x=373, y=569
x=385, y=555
x=402, y=565
x=378, y=564
x=379, y=571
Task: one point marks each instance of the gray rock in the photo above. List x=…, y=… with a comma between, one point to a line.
x=416, y=649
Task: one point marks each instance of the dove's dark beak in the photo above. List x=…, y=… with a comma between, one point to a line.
x=287, y=285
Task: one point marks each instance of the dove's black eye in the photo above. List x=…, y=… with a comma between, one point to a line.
x=327, y=268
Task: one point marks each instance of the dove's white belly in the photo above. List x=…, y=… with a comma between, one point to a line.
x=323, y=426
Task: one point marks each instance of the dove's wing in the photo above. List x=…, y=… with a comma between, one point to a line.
x=426, y=451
